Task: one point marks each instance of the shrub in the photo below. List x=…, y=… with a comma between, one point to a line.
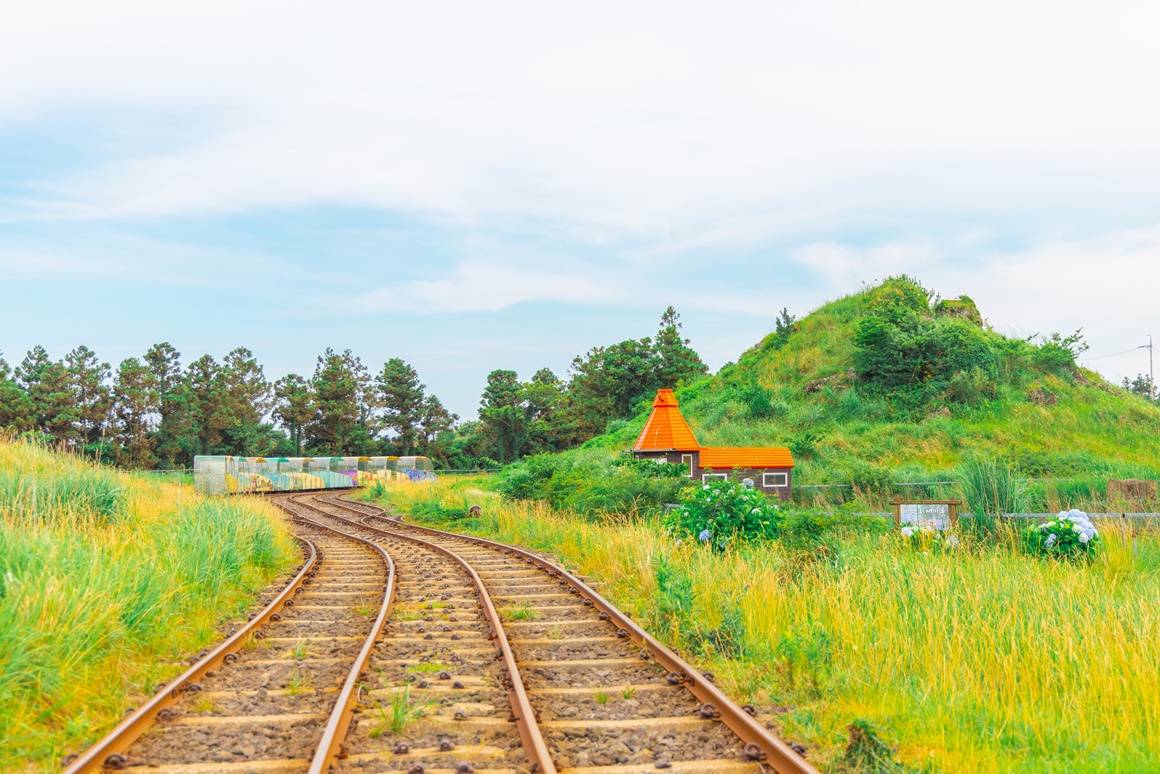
x=805, y=444
x=1069, y=535
x=721, y=512
x=594, y=483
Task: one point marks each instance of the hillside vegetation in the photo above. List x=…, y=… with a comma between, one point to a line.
x=107, y=582
x=893, y=384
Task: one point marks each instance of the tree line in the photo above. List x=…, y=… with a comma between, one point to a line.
x=156, y=412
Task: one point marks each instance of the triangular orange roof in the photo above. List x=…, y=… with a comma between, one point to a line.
x=666, y=429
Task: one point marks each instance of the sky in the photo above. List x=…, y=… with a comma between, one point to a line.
x=472, y=186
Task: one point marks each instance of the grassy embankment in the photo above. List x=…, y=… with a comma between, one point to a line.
x=980, y=660
x=1064, y=427
x=107, y=581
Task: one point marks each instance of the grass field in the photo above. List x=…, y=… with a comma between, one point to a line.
x=107, y=581
x=979, y=659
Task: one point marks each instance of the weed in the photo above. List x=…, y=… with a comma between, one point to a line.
x=425, y=667
x=295, y=684
x=521, y=612
x=366, y=611
x=867, y=753
x=203, y=704
x=600, y=695
x=301, y=650
x=628, y=692
x=403, y=710
x=556, y=633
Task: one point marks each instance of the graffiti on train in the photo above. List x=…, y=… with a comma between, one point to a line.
x=234, y=475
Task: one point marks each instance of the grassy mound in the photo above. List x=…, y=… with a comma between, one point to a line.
x=106, y=581
x=893, y=385
x=979, y=659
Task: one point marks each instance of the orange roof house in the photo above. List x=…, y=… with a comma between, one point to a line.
x=667, y=438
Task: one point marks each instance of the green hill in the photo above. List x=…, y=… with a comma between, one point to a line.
x=892, y=384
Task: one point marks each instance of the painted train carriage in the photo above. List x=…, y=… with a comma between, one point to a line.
x=233, y=475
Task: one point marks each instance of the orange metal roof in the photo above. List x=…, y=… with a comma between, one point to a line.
x=666, y=429
x=724, y=457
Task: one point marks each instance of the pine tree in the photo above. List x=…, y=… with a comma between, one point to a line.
x=46, y=384
x=338, y=386
x=135, y=404
x=175, y=432
x=293, y=407
x=209, y=405
x=502, y=416
x=15, y=407
x=676, y=360
x=435, y=420
x=400, y=395
x=248, y=399
x=91, y=396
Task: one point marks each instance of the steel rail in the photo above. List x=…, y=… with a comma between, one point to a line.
x=109, y=751
x=760, y=745
x=330, y=747
x=525, y=717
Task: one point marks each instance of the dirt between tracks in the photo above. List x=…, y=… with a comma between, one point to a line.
x=604, y=747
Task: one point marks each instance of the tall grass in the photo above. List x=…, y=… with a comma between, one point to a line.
x=983, y=660
x=107, y=581
x=991, y=488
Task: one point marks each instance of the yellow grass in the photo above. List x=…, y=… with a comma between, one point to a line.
x=99, y=606
x=978, y=660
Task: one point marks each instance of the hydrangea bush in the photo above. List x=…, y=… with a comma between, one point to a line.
x=1070, y=534
x=720, y=511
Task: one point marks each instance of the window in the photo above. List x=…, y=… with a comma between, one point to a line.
x=687, y=459
x=772, y=480
x=707, y=476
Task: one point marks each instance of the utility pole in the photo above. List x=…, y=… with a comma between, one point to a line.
x=1151, y=371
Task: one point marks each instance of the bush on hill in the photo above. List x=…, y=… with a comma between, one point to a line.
x=594, y=482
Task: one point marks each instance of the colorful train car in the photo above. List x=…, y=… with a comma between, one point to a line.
x=234, y=475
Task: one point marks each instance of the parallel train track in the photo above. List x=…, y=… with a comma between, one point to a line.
x=402, y=648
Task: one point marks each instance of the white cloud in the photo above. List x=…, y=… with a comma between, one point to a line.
x=480, y=287
x=653, y=120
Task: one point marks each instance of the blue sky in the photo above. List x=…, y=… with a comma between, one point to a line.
x=476, y=186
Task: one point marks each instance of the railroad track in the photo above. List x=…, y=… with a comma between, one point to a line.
x=410, y=649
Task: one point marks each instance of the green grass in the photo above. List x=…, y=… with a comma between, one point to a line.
x=104, y=576
x=401, y=710
x=982, y=659
x=520, y=612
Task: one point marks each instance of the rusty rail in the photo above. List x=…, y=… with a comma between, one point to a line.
x=760, y=744
x=109, y=751
x=329, y=748
x=534, y=745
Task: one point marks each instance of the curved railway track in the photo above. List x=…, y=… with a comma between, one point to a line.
x=403, y=648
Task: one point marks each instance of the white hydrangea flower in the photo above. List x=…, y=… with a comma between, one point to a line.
x=907, y=531
x=1050, y=540
x=1085, y=537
